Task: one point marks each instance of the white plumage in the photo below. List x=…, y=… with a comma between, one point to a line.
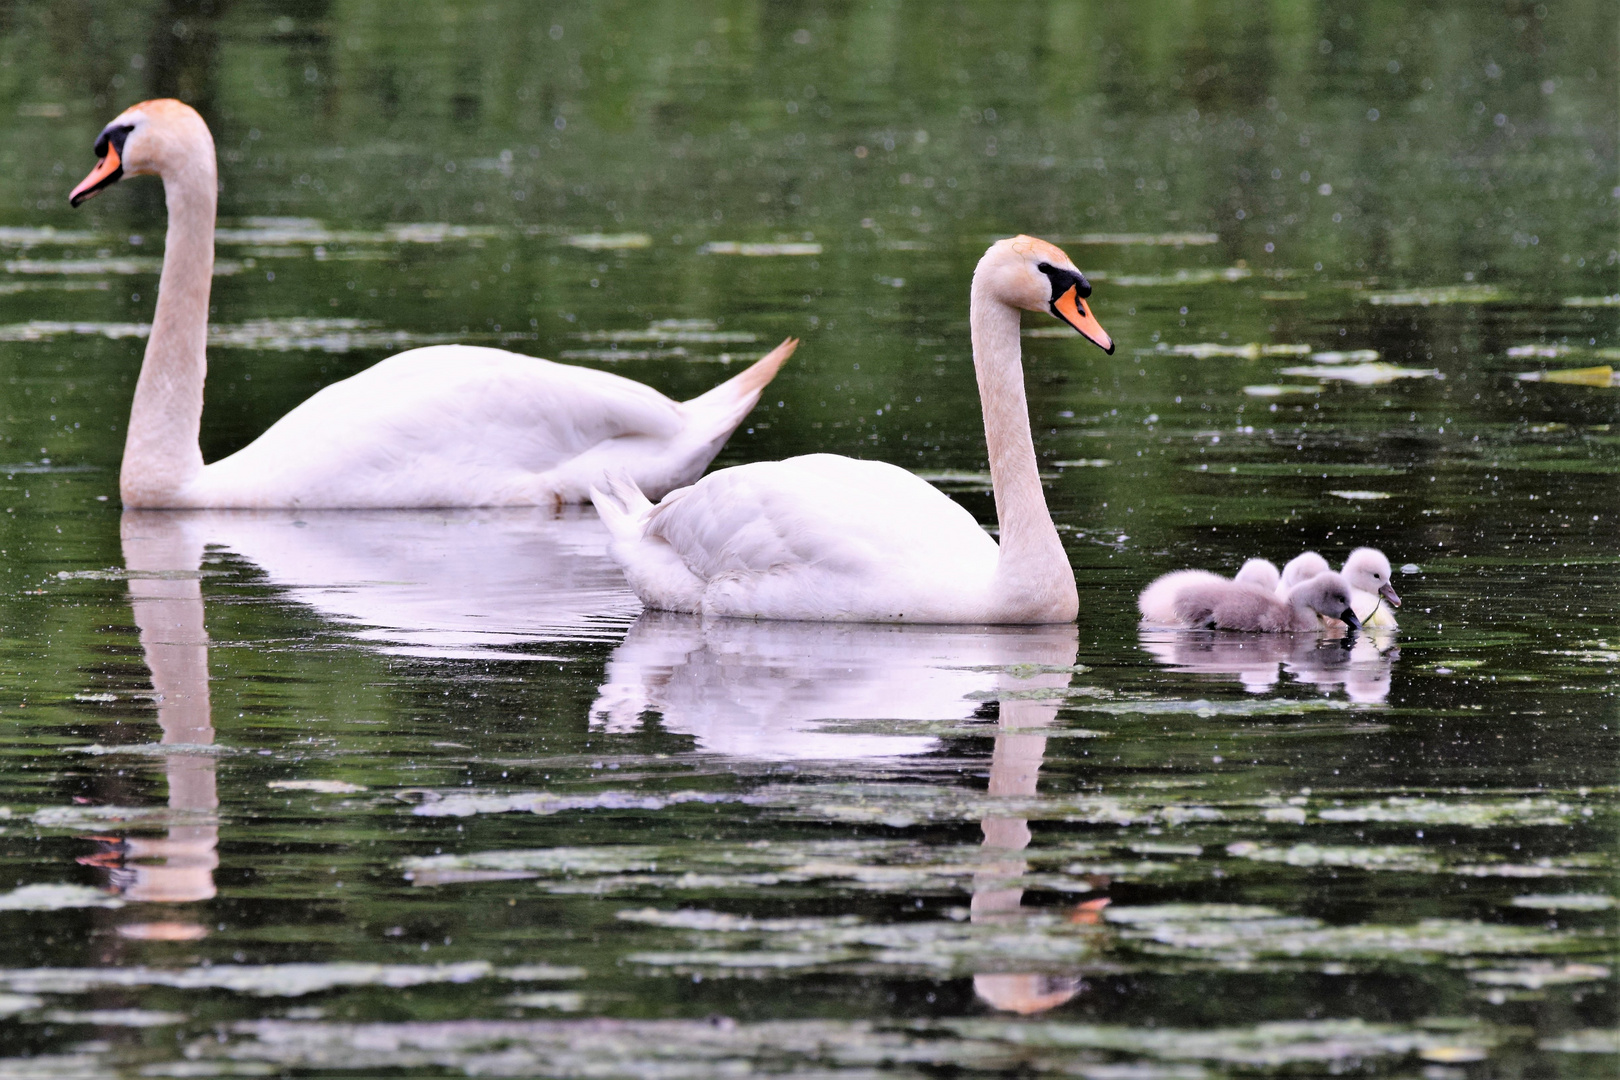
x=444, y=426
x=852, y=540
x=460, y=425
x=823, y=537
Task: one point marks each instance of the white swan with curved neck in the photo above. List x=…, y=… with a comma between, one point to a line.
x=448, y=425
x=832, y=538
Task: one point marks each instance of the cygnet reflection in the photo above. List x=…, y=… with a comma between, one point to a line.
x=775, y=691
x=1361, y=665
x=461, y=584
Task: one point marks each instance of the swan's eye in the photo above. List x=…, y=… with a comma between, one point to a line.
x=1064, y=280
x=113, y=134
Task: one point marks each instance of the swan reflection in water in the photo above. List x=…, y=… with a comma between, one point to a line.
x=163, y=563
x=1362, y=664
x=450, y=584
x=474, y=584
x=445, y=584
x=781, y=691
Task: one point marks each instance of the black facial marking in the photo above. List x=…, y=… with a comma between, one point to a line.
x=1064, y=280
x=114, y=135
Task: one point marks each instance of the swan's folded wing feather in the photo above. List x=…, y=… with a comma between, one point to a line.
x=820, y=510
x=469, y=398
x=465, y=419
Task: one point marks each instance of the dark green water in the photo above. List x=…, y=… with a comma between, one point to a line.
x=420, y=793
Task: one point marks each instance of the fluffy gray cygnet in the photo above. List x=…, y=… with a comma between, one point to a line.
x=1368, y=572
x=1261, y=572
x=1300, y=568
x=1200, y=600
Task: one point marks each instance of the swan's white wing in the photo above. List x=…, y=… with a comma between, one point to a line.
x=831, y=535
x=445, y=425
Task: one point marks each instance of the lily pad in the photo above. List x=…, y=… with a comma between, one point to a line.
x=1566, y=902
x=609, y=241
x=57, y=898
x=1169, y=239
x=1445, y=294
x=131, y=1018
x=1585, y=1041
x=1271, y=390
x=704, y=1048
x=329, y=787
x=12, y=1004
x=733, y=247
x=1201, y=276
x=1362, y=374
x=261, y=980
x=1601, y=376
x=1538, y=974
x=1254, y=350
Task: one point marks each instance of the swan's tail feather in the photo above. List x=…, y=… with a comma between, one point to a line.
x=725, y=406
x=651, y=567
x=622, y=507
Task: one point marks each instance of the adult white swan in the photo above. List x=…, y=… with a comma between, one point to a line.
x=449, y=425
x=831, y=538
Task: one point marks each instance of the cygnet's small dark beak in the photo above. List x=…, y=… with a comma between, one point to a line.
x=1388, y=593
x=1348, y=617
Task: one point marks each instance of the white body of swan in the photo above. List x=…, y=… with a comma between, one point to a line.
x=829, y=538
x=448, y=425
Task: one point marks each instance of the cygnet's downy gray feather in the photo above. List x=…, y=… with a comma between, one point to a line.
x=1212, y=603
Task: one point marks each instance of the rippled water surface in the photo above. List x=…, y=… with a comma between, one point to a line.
x=352, y=793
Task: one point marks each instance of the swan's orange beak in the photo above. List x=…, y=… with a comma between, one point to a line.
x=1073, y=310
x=105, y=174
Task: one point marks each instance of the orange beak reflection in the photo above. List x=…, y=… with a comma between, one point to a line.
x=106, y=173
x=1073, y=310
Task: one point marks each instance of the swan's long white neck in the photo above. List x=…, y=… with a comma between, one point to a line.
x=161, y=451
x=1032, y=572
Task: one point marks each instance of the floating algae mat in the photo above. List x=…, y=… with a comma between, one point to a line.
x=425, y=793
x=1603, y=375
x=696, y=1049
